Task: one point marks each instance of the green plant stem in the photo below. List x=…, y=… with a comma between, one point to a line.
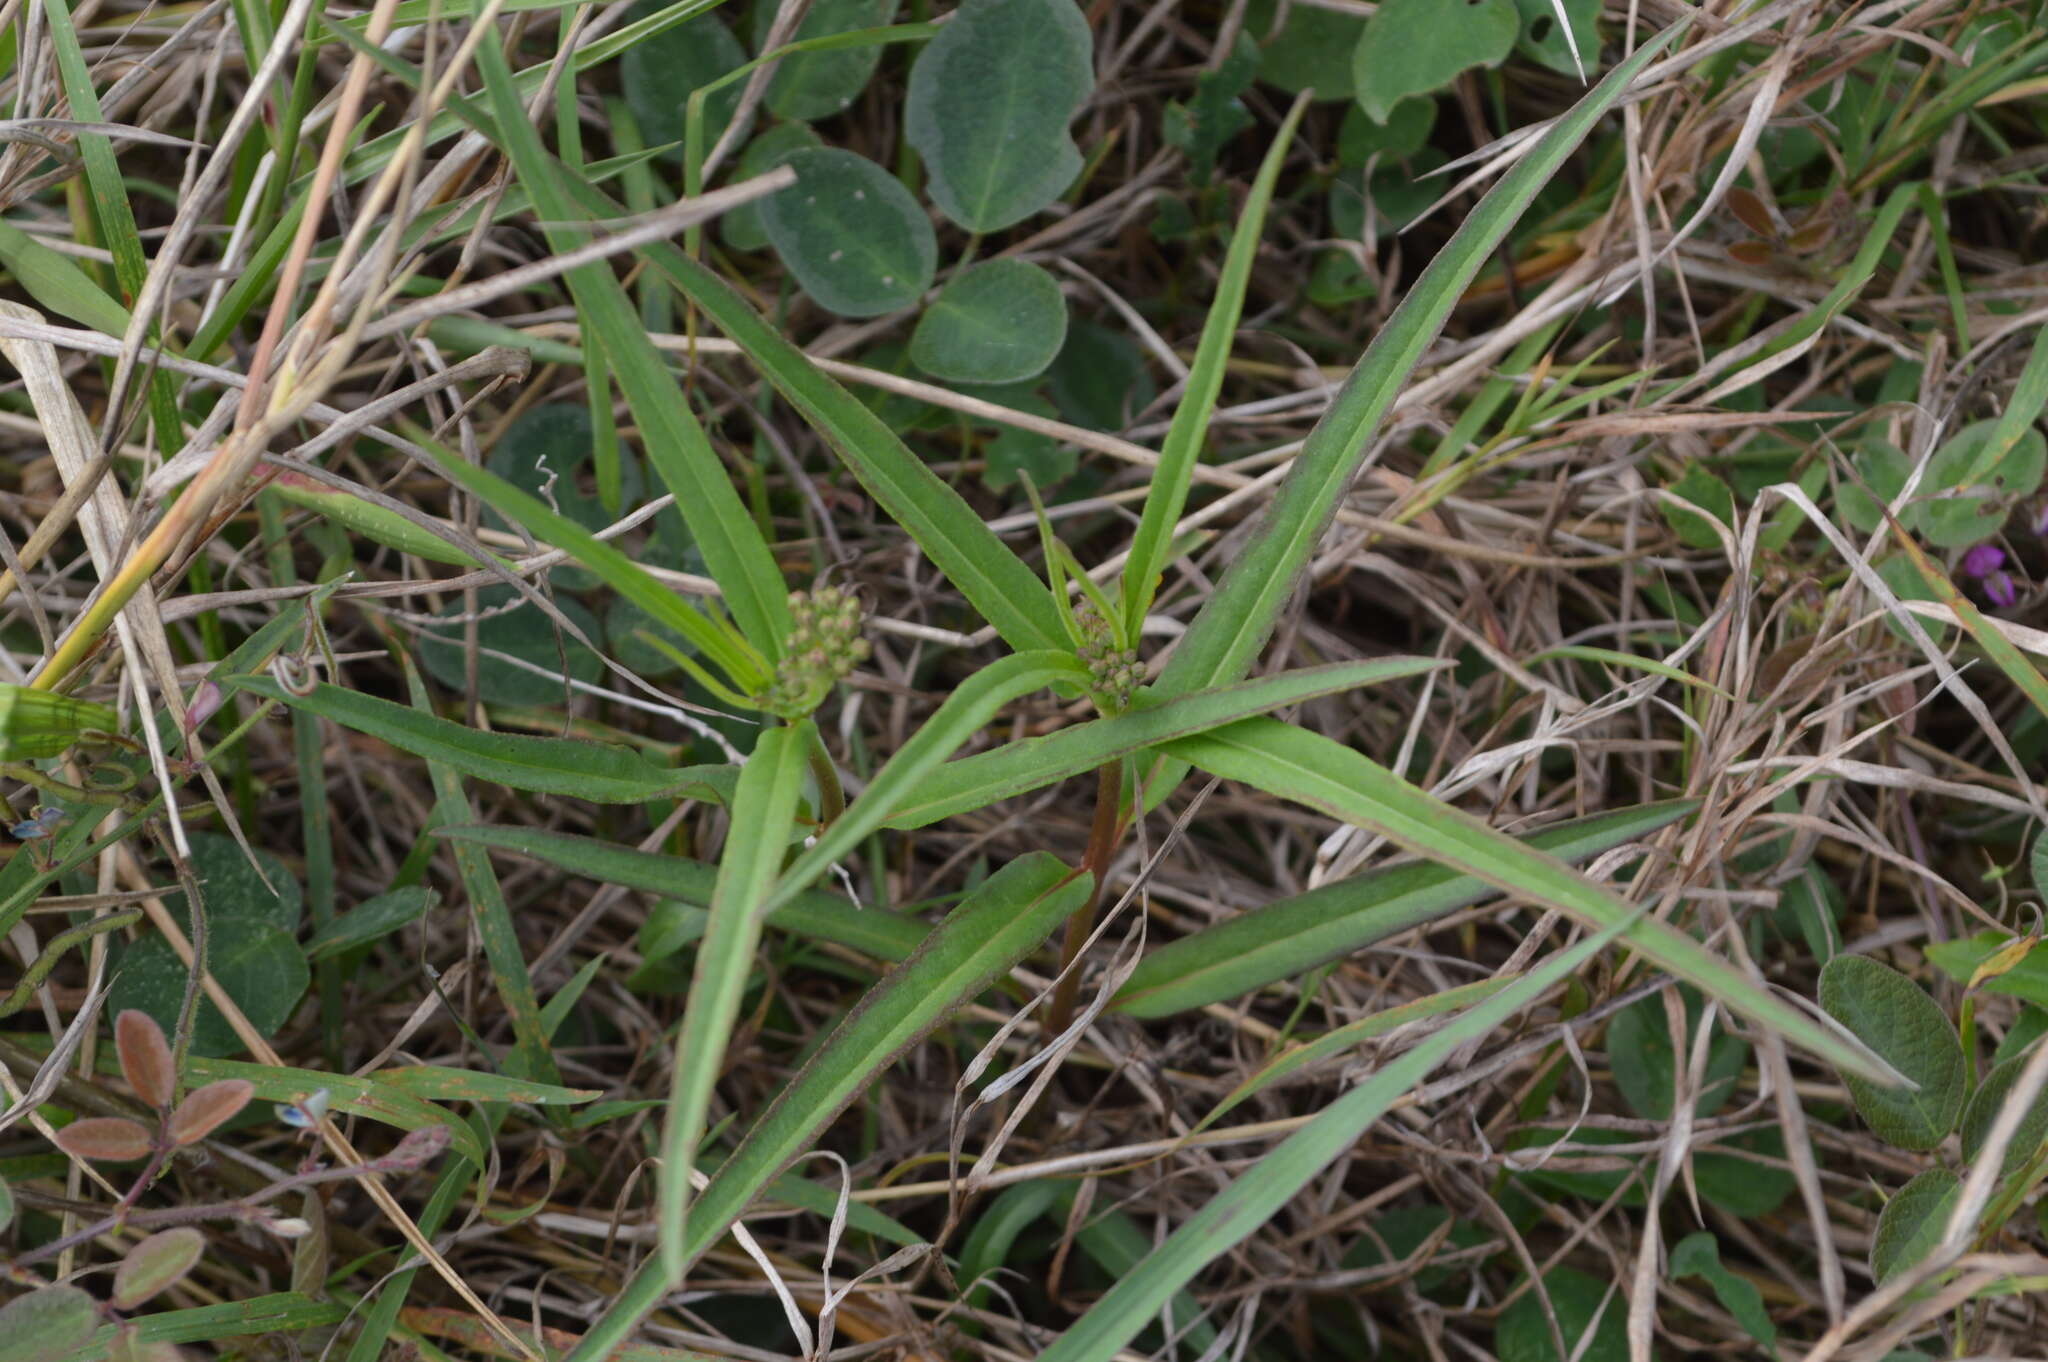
x=831, y=795
x=1102, y=843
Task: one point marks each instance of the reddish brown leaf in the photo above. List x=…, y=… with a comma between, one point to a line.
x=146, y=1058
x=1752, y=212
x=205, y=1108
x=1812, y=236
x=156, y=1264
x=104, y=1137
x=1751, y=252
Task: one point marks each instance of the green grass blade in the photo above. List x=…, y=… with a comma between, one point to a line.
x=1004, y=920
x=1294, y=935
x=734, y=550
x=813, y=915
x=597, y=772
x=1297, y=1058
x=57, y=283
x=531, y=1056
x=1313, y=770
x=708, y=635
x=995, y=581
x=1152, y=543
x=1234, y=624
x=973, y=703
x=1020, y=767
x=1252, y=1200
x=763, y=819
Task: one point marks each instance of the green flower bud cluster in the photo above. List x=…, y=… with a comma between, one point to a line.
x=823, y=646
x=1114, y=673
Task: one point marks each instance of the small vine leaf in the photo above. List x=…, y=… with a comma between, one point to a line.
x=113, y=1139
x=1895, y=1018
x=851, y=234
x=146, y=1058
x=204, y=1109
x=46, y=1325
x=1911, y=1223
x=1002, y=321
x=989, y=102
x=156, y=1264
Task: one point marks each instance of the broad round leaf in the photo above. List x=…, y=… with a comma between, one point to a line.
x=1982, y=1113
x=1311, y=51
x=261, y=968
x=1099, y=379
x=114, y=1139
x=523, y=633
x=1000, y=322
x=1645, y=1067
x=1406, y=130
x=46, y=1325
x=1881, y=469
x=156, y=1264
x=1523, y=1334
x=204, y=1109
x=1911, y=1223
x=658, y=74
x=237, y=892
x=1968, y=502
x=551, y=453
x=811, y=85
x=741, y=227
x=1895, y=1017
x=989, y=103
x=145, y=1058
x=1543, y=39
x=1411, y=47
x=851, y=234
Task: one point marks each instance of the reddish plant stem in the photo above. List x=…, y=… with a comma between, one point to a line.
x=1102, y=843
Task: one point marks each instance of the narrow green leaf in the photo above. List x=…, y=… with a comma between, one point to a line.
x=763, y=816
x=1032, y=763
x=1292, y=936
x=57, y=283
x=372, y=920
x=560, y=766
x=1004, y=920
x=973, y=703
x=621, y=573
x=737, y=555
x=1234, y=624
x=1345, y=1039
x=811, y=914
x=1255, y=1197
x=1313, y=770
x=992, y=578
x=1151, y=544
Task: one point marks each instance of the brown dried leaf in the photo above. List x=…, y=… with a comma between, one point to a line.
x=1752, y=211
x=146, y=1058
x=114, y=1138
x=156, y=1264
x=205, y=1108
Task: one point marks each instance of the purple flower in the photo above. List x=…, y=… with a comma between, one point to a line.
x=1986, y=563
